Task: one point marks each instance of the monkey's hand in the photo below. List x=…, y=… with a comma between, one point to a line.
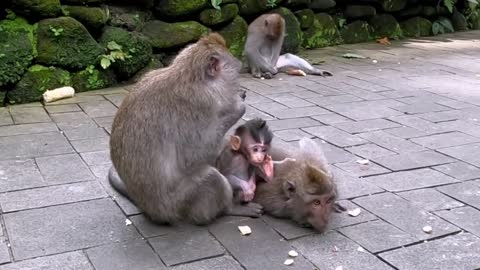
x=243, y=94
x=248, y=189
x=267, y=168
x=267, y=75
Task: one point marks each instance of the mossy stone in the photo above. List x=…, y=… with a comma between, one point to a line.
x=164, y=35
x=393, y=5
x=65, y=42
x=235, y=34
x=255, y=7
x=17, y=49
x=295, y=3
x=324, y=32
x=174, y=8
x=294, y=35
x=129, y=17
x=91, y=17
x=36, y=81
x=322, y=4
x=356, y=32
x=416, y=27
x=385, y=25
x=133, y=43
x=359, y=11
x=459, y=21
x=92, y=79
x=83, y=2
x=305, y=18
x=429, y=11
x=213, y=16
x=474, y=20
x=37, y=9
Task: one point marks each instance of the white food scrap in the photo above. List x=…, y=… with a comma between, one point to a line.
x=128, y=222
x=292, y=253
x=58, y=93
x=428, y=229
x=288, y=262
x=245, y=230
x=339, y=268
x=361, y=249
x=354, y=212
x=363, y=161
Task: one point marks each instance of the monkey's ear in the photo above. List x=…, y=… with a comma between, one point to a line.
x=213, y=66
x=235, y=142
x=289, y=188
x=266, y=22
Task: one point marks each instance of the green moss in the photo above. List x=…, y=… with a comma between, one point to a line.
x=393, y=5
x=356, y=32
x=92, y=79
x=385, y=25
x=213, y=16
x=323, y=32
x=235, y=35
x=169, y=35
x=132, y=43
x=93, y=17
x=416, y=27
x=173, y=8
x=254, y=7
x=305, y=18
x=37, y=9
x=36, y=81
x=17, y=49
x=65, y=42
x=294, y=35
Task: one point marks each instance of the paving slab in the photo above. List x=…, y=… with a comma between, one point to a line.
x=413, y=160
x=370, y=151
x=466, y=218
x=276, y=125
x=467, y=153
x=351, y=186
x=453, y=252
x=459, y=170
x=289, y=135
x=91, y=145
x=343, y=219
x=331, y=118
x=466, y=192
x=408, y=180
x=445, y=140
x=85, y=133
x=262, y=249
x=63, y=108
x=335, y=136
x=57, y=229
x=135, y=254
x=218, y=263
x=70, y=260
x=5, y=117
x=98, y=108
x=332, y=250
x=430, y=199
x=64, y=168
x=34, y=145
x=19, y=174
x=361, y=170
x=27, y=129
x=25, y=115
x=366, y=125
x=391, y=142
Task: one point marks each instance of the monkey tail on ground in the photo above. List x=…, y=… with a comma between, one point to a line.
x=116, y=182
x=290, y=61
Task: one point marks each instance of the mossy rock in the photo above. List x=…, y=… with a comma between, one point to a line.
x=91, y=17
x=36, y=81
x=127, y=17
x=429, y=11
x=296, y=3
x=474, y=20
x=92, y=79
x=174, y=8
x=17, y=49
x=235, y=34
x=324, y=32
x=393, y=5
x=255, y=7
x=305, y=18
x=359, y=11
x=416, y=27
x=37, y=9
x=410, y=12
x=133, y=43
x=213, y=16
x=83, y=2
x=294, y=35
x=164, y=35
x=65, y=42
x=385, y=25
x=322, y=4
x=459, y=21
x=356, y=32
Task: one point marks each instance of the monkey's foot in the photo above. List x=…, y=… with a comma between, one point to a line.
x=337, y=207
x=267, y=75
x=322, y=73
x=243, y=94
x=251, y=209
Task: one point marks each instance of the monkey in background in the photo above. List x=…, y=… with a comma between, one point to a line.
x=263, y=46
x=167, y=133
x=244, y=155
x=303, y=188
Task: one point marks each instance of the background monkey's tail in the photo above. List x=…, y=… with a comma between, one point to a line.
x=116, y=182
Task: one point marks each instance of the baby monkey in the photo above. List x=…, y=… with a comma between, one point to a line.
x=246, y=155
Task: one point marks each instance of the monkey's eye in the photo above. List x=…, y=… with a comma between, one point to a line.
x=255, y=149
x=316, y=202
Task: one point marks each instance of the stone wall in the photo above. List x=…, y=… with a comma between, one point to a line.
x=91, y=44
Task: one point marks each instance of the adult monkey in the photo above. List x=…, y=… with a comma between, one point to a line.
x=167, y=134
x=264, y=44
x=303, y=188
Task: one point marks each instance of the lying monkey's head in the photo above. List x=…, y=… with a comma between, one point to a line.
x=308, y=186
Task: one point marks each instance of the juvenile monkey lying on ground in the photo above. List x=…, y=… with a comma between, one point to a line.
x=263, y=46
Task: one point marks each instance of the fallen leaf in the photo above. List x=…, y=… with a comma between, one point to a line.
x=384, y=41
x=353, y=55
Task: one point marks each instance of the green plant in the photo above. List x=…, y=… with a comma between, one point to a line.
x=56, y=32
x=90, y=69
x=115, y=52
x=449, y=4
x=271, y=3
x=136, y=18
x=216, y=4
x=441, y=25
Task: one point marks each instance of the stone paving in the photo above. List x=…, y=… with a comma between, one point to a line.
x=412, y=109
